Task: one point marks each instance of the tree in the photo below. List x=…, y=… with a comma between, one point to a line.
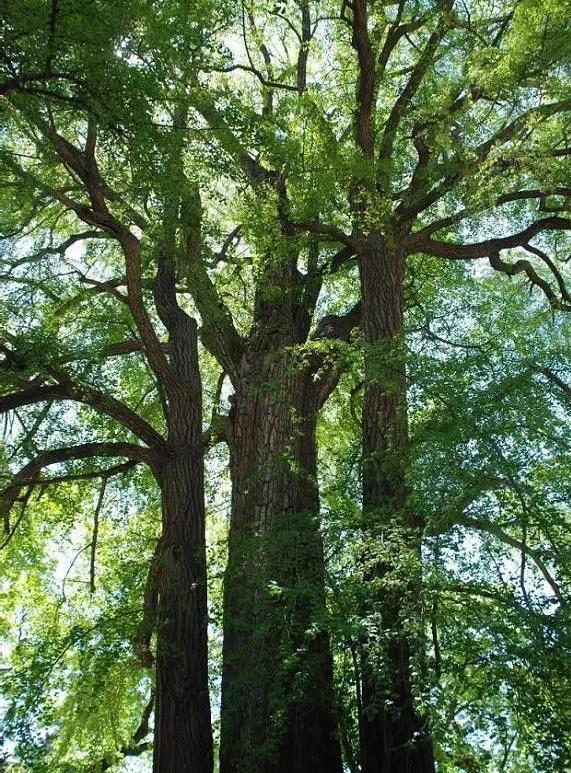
x=395, y=179
x=209, y=145
x=71, y=185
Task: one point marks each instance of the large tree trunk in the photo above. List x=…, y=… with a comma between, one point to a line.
x=394, y=737
x=277, y=695
x=183, y=733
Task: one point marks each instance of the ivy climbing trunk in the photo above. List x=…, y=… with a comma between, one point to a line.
x=394, y=737
x=277, y=695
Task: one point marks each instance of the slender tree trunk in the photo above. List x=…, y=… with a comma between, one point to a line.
x=394, y=737
x=183, y=733
x=277, y=696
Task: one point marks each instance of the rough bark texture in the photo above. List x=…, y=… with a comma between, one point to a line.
x=394, y=737
x=277, y=701
x=183, y=733
x=183, y=737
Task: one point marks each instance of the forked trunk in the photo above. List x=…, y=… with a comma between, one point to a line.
x=394, y=737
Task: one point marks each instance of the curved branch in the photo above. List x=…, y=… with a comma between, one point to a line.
x=29, y=474
x=524, y=266
x=270, y=84
x=59, y=249
x=490, y=528
x=490, y=248
x=83, y=164
x=554, y=270
x=327, y=371
x=99, y=401
x=323, y=229
x=463, y=168
x=406, y=96
x=506, y=198
x=421, y=242
x=107, y=472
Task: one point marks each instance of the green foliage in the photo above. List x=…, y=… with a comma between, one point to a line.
x=200, y=103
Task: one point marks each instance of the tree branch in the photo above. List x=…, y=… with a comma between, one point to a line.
x=554, y=378
x=137, y=745
x=420, y=242
x=99, y=401
x=524, y=266
x=60, y=249
x=204, y=104
x=323, y=229
x=366, y=81
x=218, y=332
x=95, y=534
x=406, y=96
x=84, y=165
x=107, y=472
x=31, y=471
x=145, y=629
x=503, y=536
x=461, y=168
x=332, y=327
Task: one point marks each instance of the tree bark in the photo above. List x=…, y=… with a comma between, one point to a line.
x=183, y=733
x=277, y=696
x=394, y=737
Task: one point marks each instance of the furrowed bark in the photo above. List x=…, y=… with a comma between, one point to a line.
x=182, y=726
x=277, y=696
x=183, y=732
x=277, y=710
x=394, y=737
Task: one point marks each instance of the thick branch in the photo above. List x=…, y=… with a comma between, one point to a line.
x=406, y=96
x=204, y=104
x=524, y=266
x=333, y=327
x=554, y=378
x=144, y=633
x=306, y=35
x=107, y=472
x=84, y=165
x=102, y=403
x=367, y=78
x=420, y=242
x=324, y=230
x=461, y=168
x=218, y=332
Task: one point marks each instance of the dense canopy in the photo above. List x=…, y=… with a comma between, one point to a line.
x=285, y=386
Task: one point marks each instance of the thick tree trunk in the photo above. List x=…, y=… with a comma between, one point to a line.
x=277, y=696
x=394, y=737
x=183, y=733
